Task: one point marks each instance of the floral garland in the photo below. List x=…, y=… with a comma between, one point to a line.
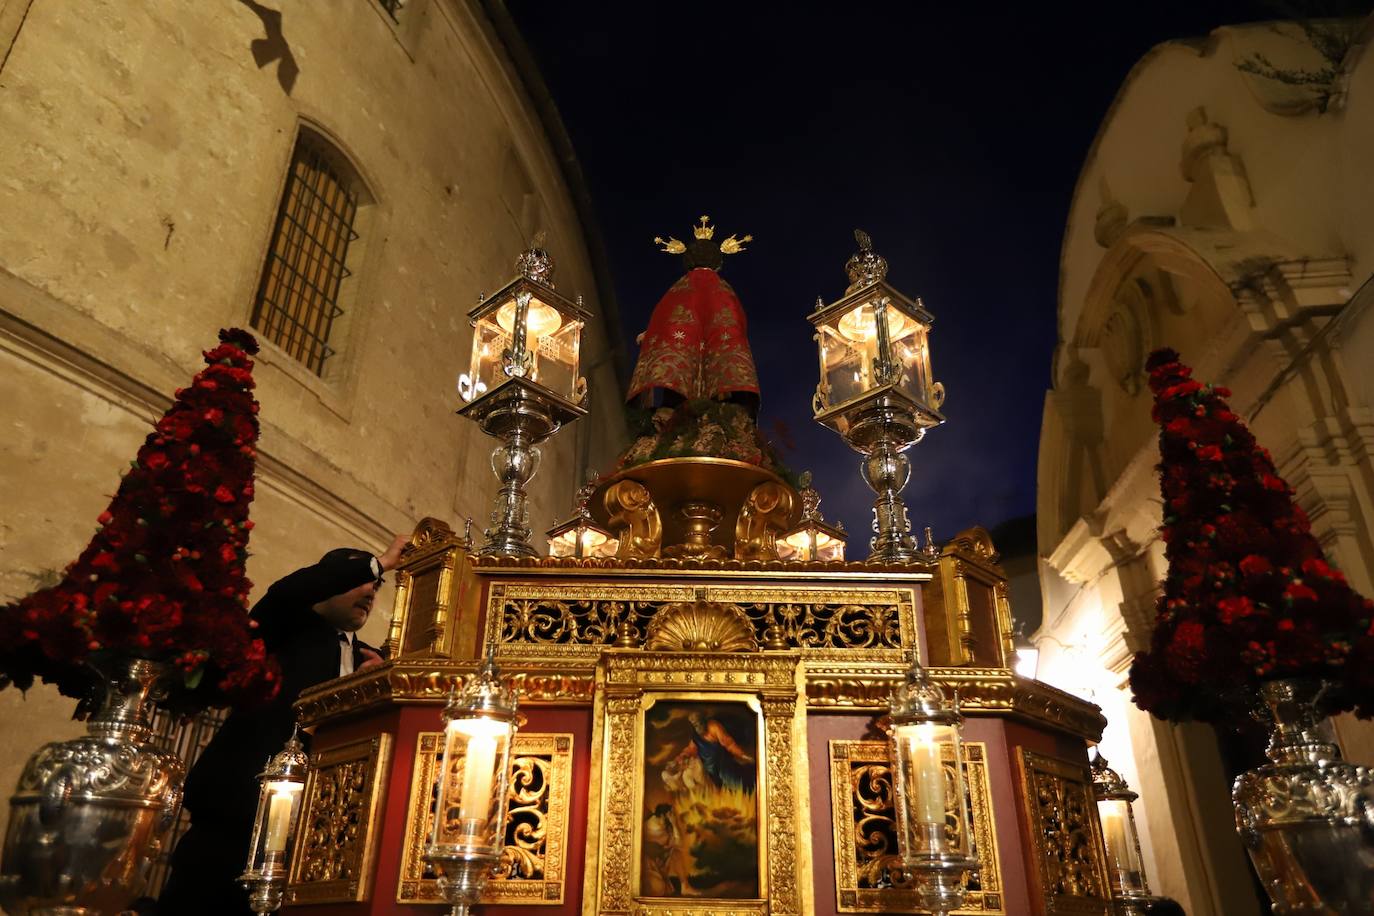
x=702, y=428
x=1248, y=596
x=163, y=577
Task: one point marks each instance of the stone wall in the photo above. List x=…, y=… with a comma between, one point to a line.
x=143, y=151
x=1219, y=213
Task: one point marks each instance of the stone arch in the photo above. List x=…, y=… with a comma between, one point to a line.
x=1153, y=287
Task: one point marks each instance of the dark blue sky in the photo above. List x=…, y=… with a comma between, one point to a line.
x=953, y=134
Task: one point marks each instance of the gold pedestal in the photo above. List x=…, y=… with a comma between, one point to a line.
x=705, y=508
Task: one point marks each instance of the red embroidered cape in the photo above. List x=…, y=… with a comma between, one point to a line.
x=697, y=343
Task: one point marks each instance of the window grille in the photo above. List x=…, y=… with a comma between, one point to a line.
x=185, y=738
x=298, y=296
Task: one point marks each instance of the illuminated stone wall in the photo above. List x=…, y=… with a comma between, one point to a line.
x=143, y=150
x=1220, y=213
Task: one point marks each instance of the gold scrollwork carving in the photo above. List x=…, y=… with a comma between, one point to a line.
x=1065, y=836
x=532, y=866
x=764, y=516
x=634, y=519
x=337, y=837
x=868, y=868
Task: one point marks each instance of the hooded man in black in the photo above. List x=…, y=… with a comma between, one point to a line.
x=308, y=622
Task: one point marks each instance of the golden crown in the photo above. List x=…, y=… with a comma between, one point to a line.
x=703, y=231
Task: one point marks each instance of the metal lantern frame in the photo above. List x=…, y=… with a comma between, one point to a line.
x=573, y=538
x=581, y=536
x=1125, y=865
x=813, y=538
x=878, y=393
x=281, y=787
x=927, y=734
x=504, y=393
x=888, y=373
x=465, y=847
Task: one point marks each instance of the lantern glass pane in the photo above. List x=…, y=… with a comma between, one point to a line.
x=279, y=804
x=556, y=357
x=472, y=788
x=912, y=353
x=1124, y=867
x=932, y=812
x=563, y=544
x=847, y=365
x=810, y=543
x=489, y=341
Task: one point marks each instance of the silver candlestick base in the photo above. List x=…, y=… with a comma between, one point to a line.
x=462, y=875
x=882, y=431
x=265, y=892
x=521, y=419
x=939, y=881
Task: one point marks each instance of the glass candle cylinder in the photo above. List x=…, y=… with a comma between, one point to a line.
x=281, y=788
x=931, y=788
x=1125, y=868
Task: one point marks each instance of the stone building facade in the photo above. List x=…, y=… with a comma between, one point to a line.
x=1223, y=211
x=145, y=149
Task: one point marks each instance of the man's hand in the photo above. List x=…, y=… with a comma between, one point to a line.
x=370, y=659
x=392, y=556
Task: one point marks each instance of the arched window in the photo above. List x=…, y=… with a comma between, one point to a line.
x=298, y=297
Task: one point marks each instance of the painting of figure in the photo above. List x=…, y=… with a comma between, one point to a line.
x=700, y=834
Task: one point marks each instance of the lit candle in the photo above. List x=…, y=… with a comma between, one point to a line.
x=1114, y=832
x=278, y=821
x=474, y=803
x=928, y=779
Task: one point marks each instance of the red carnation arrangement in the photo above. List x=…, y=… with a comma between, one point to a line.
x=1248, y=596
x=163, y=578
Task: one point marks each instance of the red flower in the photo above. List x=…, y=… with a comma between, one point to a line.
x=1296, y=591
x=1313, y=566
x=1248, y=594
x=1233, y=609
x=163, y=576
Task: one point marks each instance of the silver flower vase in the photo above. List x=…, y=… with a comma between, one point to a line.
x=89, y=815
x=1307, y=817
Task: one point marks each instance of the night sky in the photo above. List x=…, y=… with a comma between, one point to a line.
x=952, y=135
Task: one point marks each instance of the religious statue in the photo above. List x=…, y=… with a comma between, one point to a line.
x=697, y=345
x=695, y=391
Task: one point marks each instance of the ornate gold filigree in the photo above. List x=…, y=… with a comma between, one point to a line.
x=765, y=514
x=532, y=866
x=1062, y=818
x=576, y=620
x=632, y=682
x=868, y=868
x=337, y=837
x=700, y=626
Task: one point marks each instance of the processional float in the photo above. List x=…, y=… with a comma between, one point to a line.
x=706, y=698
